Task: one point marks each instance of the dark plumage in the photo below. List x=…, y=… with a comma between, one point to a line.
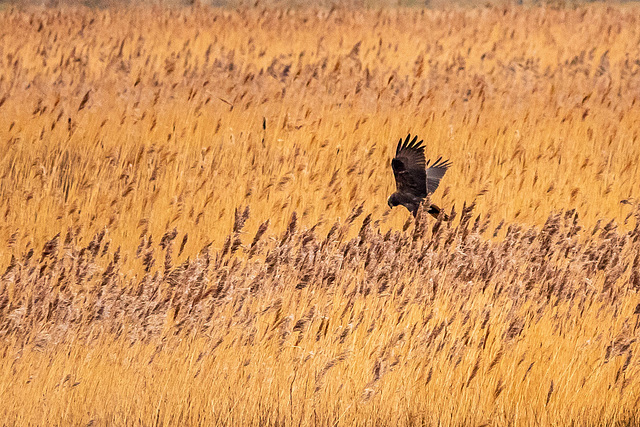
x=414, y=181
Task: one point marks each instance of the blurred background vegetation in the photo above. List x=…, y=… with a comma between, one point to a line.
x=335, y=4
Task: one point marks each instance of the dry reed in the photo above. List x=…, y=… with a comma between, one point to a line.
x=196, y=231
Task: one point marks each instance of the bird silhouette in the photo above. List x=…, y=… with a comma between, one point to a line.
x=415, y=179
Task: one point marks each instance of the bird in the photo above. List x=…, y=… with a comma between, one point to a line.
x=415, y=179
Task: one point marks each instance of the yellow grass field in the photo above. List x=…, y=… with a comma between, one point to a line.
x=195, y=228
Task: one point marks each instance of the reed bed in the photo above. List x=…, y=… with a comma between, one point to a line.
x=195, y=228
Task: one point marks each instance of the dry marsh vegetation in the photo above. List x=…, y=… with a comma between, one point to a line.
x=195, y=227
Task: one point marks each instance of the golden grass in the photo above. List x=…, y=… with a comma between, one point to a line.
x=195, y=228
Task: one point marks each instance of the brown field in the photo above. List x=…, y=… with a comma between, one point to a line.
x=195, y=230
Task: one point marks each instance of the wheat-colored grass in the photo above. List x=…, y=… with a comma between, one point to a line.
x=195, y=228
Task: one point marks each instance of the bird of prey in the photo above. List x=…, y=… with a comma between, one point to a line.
x=414, y=180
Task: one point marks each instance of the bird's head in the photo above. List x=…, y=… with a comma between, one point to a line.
x=393, y=201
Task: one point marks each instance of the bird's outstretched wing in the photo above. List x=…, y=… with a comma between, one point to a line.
x=435, y=173
x=409, y=167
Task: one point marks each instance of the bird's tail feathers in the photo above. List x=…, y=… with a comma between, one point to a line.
x=435, y=212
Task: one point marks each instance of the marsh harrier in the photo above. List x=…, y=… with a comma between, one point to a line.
x=415, y=179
